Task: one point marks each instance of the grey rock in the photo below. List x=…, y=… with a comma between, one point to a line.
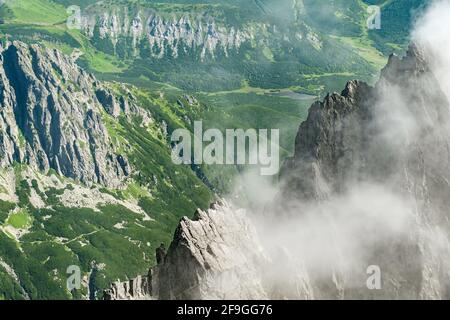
x=124, y=105
x=214, y=256
x=134, y=289
x=165, y=36
x=50, y=117
x=218, y=255
x=109, y=103
x=191, y=100
x=345, y=137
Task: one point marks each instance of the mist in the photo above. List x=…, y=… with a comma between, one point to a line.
x=333, y=241
x=432, y=31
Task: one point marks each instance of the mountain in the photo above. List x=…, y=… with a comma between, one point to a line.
x=86, y=115
x=390, y=141
x=367, y=189
x=313, y=46
x=84, y=165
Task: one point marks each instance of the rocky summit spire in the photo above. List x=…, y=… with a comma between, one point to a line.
x=395, y=136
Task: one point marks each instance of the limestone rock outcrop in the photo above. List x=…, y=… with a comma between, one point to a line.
x=395, y=135
x=214, y=256
x=50, y=117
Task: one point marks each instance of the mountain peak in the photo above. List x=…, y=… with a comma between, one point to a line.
x=413, y=63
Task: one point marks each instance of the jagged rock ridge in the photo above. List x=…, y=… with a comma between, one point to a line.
x=217, y=255
x=212, y=257
x=164, y=35
x=395, y=135
x=203, y=33
x=50, y=117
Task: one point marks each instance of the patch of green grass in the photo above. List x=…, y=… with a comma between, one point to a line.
x=365, y=49
x=20, y=219
x=63, y=47
x=103, y=63
x=258, y=110
x=268, y=54
x=39, y=12
x=135, y=191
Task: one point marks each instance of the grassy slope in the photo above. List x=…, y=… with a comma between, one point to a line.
x=37, y=12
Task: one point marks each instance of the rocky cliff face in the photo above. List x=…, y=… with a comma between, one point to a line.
x=394, y=137
x=219, y=255
x=164, y=35
x=50, y=117
x=373, y=133
x=200, y=32
x=214, y=256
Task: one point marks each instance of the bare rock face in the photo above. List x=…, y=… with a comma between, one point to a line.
x=164, y=36
x=203, y=33
x=108, y=101
x=373, y=133
x=50, y=117
x=218, y=255
x=134, y=289
x=214, y=256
